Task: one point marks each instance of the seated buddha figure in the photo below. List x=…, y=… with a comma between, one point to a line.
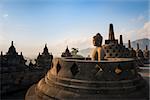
x=98, y=53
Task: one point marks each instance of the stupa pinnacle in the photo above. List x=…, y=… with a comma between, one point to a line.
x=129, y=44
x=111, y=32
x=121, y=40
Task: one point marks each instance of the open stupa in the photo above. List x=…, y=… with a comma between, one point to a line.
x=110, y=74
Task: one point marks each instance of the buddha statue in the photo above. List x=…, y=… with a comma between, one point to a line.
x=98, y=53
x=139, y=52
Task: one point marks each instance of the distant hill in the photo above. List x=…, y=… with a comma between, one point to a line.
x=142, y=44
x=86, y=52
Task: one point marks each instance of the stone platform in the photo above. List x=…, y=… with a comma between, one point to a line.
x=70, y=78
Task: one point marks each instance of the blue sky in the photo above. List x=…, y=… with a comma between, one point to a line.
x=32, y=23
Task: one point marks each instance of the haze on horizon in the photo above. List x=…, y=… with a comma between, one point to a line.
x=32, y=23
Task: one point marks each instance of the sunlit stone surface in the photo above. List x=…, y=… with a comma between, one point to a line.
x=114, y=76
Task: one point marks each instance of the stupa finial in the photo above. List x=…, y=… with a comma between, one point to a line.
x=129, y=44
x=12, y=43
x=137, y=46
x=111, y=32
x=121, y=40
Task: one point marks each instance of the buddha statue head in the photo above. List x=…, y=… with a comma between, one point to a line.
x=97, y=40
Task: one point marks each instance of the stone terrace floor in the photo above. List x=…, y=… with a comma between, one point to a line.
x=19, y=95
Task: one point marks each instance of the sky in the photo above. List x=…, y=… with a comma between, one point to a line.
x=32, y=23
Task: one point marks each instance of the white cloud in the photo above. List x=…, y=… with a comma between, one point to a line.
x=143, y=32
x=1, y=38
x=139, y=19
x=80, y=43
x=5, y=15
x=136, y=28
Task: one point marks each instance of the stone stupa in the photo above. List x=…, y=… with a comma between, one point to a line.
x=111, y=74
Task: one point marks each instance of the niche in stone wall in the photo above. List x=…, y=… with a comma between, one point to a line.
x=74, y=69
x=98, y=71
x=118, y=70
x=98, y=68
